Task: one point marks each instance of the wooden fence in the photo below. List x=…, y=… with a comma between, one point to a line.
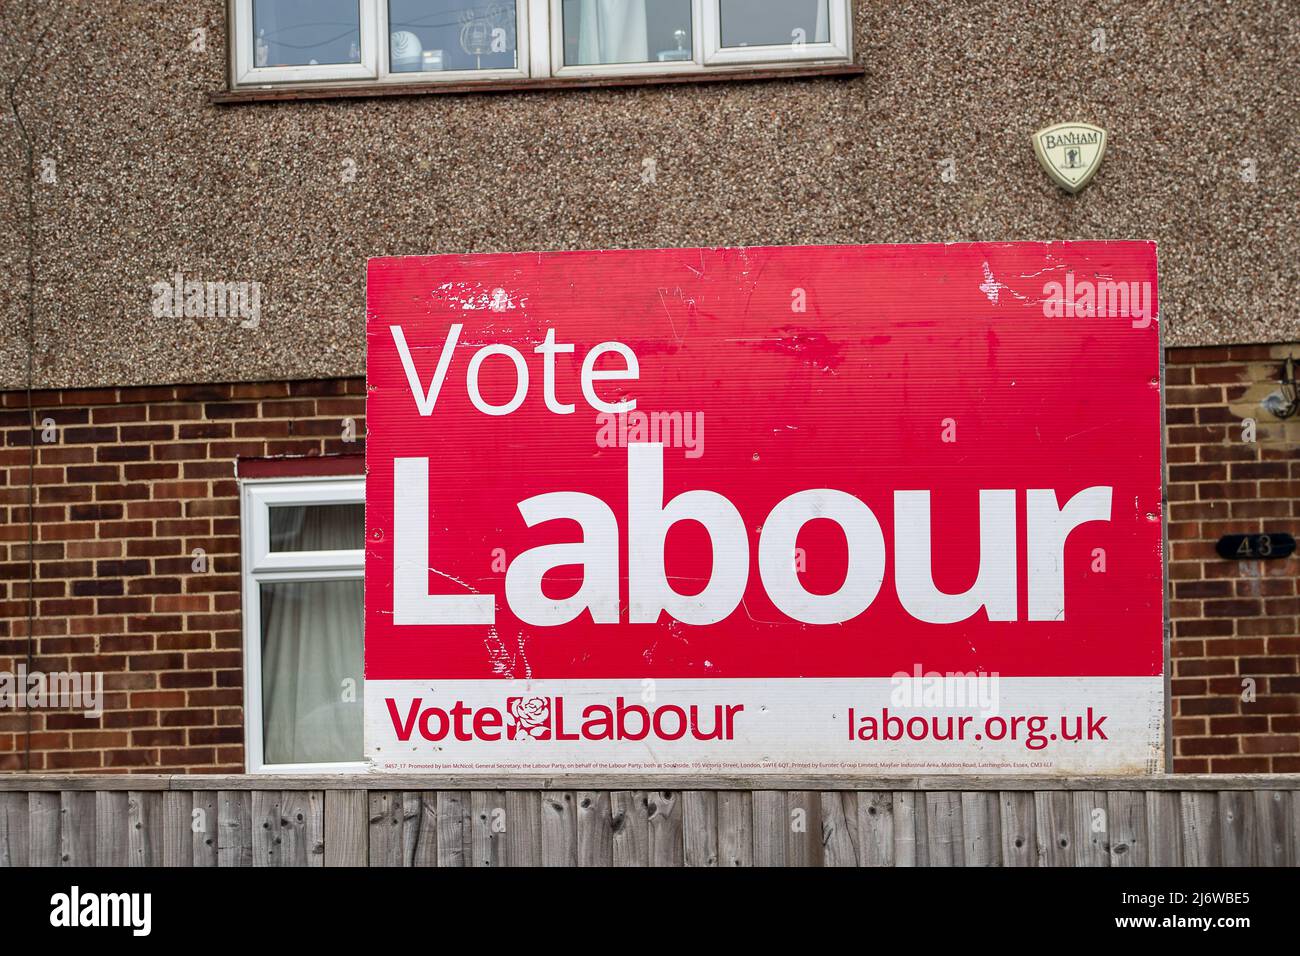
x=413, y=821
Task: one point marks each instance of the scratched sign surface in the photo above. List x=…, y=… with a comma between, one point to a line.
x=843, y=509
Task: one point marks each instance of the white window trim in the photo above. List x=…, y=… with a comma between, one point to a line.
x=262, y=566
x=539, y=40
x=539, y=50
x=839, y=46
x=247, y=73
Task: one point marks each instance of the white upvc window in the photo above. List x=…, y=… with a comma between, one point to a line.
x=303, y=563
x=296, y=41
x=349, y=42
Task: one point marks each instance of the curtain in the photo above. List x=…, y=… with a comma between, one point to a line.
x=311, y=645
x=612, y=31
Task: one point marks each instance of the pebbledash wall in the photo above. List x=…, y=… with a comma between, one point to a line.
x=137, y=479
x=124, y=172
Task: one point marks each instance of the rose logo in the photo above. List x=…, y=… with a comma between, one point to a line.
x=532, y=717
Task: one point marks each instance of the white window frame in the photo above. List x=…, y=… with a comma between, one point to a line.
x=247, y=73
x=263, y=566
x=838, y=47
x=539, y=50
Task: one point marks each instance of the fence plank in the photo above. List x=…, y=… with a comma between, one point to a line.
x=15, y=816
x=595, y=828
x=631, y=814
x=234, y=828
x=944, y=842
x=112, y=823
x=559, y=828
x=700, y=828
x=408, y=830
x=1164, y=829
x=202, y=827
x=1273, y=828
x=302, y=828
x=839, y=828
x=420, y=828
x=876, y=829
x=803, y=828
x=1126, y=813
x=1199, y=816
x=770, y=825
x=981, y=829
x=1237, y=828
x=735, y=828
x=1016, y=820
x=347, y=828
x=1295, y=829
x=177, y=814
x=268, y=822
x=77, y=828
x=385, y=826
x=455, y=830
x=1091, y=828
x=665, y=817
x=146, y=834
x=904, y=828
x=405, y=822
x=1054, y=828
x=44, y=817
x=523, y=837
x=487, y=823
x=911, y=846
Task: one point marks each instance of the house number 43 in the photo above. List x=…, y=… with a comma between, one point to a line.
x=1246, y=547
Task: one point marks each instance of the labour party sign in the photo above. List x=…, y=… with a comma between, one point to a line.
x=844, y=509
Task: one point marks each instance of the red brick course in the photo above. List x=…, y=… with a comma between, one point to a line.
x=140, y=477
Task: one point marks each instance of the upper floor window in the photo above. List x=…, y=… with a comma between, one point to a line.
x=399, y=41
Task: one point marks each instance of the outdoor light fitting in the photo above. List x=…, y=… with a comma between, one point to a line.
x=1286, y=402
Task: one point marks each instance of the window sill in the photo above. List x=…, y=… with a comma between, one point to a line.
x=362, y=90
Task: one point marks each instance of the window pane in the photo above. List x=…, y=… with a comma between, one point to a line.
x=626, y=31
x=318, y=527
x=303, y=32
x=775, y=22
x=311, y=671
x=430, y=35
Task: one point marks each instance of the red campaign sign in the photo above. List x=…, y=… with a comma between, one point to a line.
x=793, y=481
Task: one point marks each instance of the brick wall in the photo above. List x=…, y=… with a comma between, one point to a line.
x=136, y=480
x=1233, y=621
x=139, y=478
